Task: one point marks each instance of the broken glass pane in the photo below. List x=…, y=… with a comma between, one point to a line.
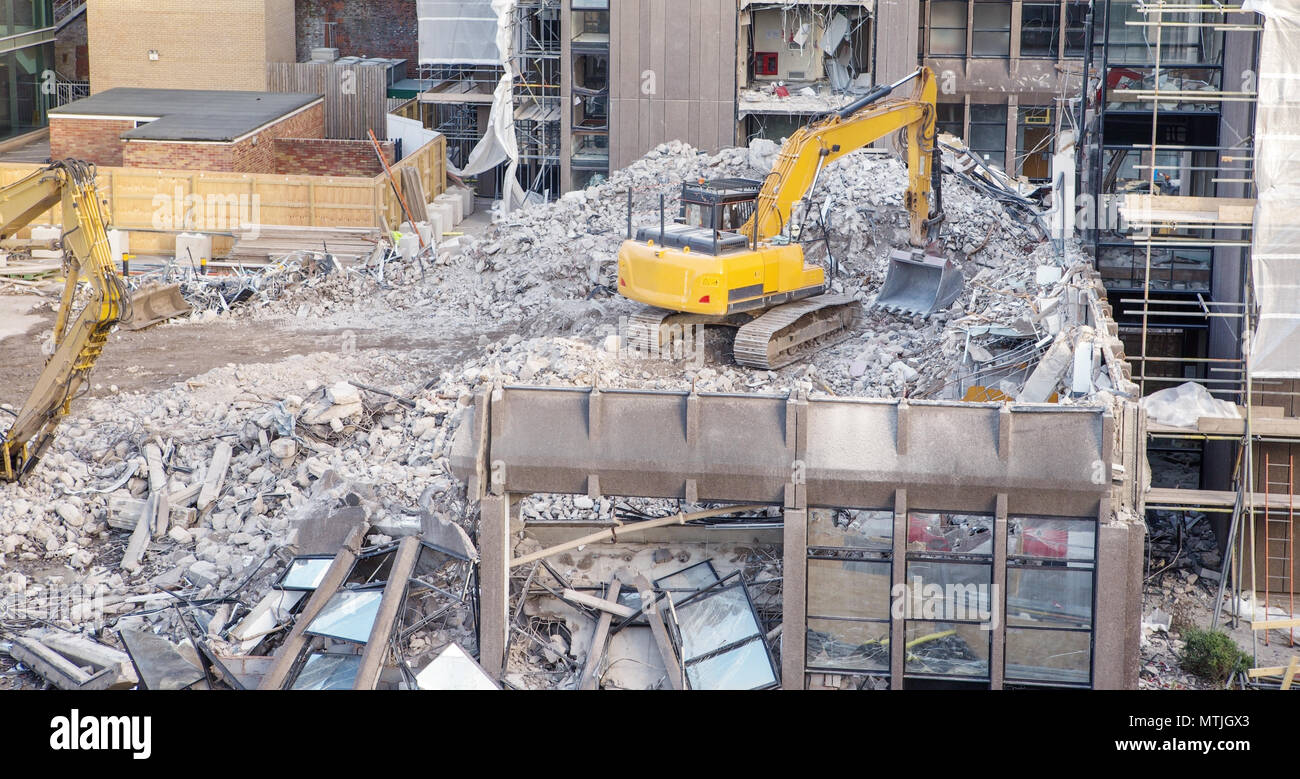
x=1049, y=597
x=305, y=573
x=848, y=645
x=949, y=590
x=328, y=672
x=858, y=529
x=1062, y=656
x=714, y=621
x=947, y=649
x=942, y=532
x=348, y=616
x=744, y=668
x=1052, y=539
x=687, y=581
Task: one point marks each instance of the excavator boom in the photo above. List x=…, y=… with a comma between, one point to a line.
x=814, y=146
x=79, y=340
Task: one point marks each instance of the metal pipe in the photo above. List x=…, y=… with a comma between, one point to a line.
x=661, y=220
x=874, y=95
x=629, y=213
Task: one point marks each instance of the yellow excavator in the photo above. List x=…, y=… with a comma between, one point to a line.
x=731, y=257
x=77, y=345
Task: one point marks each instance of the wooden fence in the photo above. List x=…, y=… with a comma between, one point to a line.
x=155, y=205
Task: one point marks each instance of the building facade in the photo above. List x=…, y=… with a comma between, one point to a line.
x=27, y=33
x=188, y=44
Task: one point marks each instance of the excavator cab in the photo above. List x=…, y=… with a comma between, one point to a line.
x=722, y=204
x=711, y=216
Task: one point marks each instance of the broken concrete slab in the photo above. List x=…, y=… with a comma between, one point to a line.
x=216, y=476
x=159, y=664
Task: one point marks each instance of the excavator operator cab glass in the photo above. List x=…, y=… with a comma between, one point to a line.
x=721, y=204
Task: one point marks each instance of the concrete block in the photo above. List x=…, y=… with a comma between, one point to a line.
x=445, y=212
x=193, y=247
x=458, y=209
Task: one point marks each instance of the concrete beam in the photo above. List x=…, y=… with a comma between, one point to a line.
x=744, y=448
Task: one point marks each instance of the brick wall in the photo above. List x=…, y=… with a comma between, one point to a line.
x=255, y=154
x=93, y=140
x=330, y=157
x=200, y=44
x=71, y=50
x=376, y=28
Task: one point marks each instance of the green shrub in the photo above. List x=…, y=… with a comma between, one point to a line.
x=1212, y=654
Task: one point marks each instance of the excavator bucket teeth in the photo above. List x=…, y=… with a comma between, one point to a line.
x=920, y=285
x=152, y=304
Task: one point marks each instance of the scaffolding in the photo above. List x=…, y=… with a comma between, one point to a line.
x=1170, y=290
x=537, y=65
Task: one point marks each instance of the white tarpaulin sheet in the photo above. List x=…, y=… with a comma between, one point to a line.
x=457, y=32
x=477, y=32
x=1275, y=263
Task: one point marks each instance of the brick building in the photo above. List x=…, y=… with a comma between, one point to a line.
x=186, y=129
x=188, y=43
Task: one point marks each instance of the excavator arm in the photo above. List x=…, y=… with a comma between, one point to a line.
x=815, y=145
x=79, y=340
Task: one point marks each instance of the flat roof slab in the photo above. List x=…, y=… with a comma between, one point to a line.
x=189, y=114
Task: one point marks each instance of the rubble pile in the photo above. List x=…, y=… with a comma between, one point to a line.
x=193, y=497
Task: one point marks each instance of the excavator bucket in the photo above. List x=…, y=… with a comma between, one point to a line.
x=152, y=304
x=920, y=284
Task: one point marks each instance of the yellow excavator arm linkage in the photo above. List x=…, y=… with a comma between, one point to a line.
x=816, y=145
x=79, y=342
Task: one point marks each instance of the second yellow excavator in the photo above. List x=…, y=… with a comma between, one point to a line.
x=77, y=342
x=730, y=259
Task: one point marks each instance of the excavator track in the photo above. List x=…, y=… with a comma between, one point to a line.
x=670, y=335
x=790, y=332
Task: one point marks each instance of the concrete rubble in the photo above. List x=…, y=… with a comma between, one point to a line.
x=176, y=511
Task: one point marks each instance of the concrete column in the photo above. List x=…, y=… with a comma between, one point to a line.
x=494, y=580
x=897, y=635
x=997, y=653
x=1118, y=606
x=794, y=605
x=566, y=87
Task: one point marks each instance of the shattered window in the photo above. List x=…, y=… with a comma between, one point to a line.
x=947, y=649
x=1049, y=656
x=850, y=574
x=684, y=583
x=856, y=529
x=722, y=644
x=1039, y=28
x=848, y=645
x=1049, y=599
x=324, y=671
x=1055, y=539
x=950, y=533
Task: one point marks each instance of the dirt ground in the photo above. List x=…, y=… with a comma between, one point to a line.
x=159, y=356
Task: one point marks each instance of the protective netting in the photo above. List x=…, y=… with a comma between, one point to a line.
x=1275, y=352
